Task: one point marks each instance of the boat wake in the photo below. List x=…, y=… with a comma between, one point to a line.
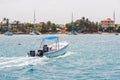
x=6, y=62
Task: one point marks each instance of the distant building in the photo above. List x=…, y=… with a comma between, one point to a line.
x=41, y=23
x=61, y=25
x=3, y=24
x=15, y=24
x=107, y=22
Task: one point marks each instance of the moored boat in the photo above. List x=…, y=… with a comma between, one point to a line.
x=8, y=33
x=35, y=32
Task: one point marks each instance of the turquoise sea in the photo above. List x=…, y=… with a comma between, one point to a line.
x=88, y=57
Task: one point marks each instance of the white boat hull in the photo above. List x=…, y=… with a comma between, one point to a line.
x=58, y=52
x=8, y=33
x=35, y=32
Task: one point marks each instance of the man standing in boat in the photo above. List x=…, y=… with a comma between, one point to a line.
x=45, y=48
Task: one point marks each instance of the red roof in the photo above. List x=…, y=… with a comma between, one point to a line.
x=107, y=20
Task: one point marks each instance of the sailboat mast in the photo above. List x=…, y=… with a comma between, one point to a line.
x=34, y=19
x=72, y=24
x=114, y=17
x=72, y=19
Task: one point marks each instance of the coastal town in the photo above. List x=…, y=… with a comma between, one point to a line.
x=83, y=25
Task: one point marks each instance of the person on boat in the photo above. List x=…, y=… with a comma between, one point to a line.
x=45, y=48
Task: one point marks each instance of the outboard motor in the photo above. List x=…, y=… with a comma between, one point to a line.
x=32, y=53
x=40, y=53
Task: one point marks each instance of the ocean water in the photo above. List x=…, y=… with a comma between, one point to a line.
x=88, y=57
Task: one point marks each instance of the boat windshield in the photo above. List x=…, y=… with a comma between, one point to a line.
x=56, y=38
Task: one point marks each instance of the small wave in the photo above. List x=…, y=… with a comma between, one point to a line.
x=66, y=54
x=21, y=61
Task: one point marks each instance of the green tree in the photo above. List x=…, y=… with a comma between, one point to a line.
x=54, y=28
x=38, y=28
x=43, y=26
x=110, y=29
x=118, y=29
x=68, y=26
x=48, y=26
x=14, y=29
x=1, y=29
x=7, y=22
x=86, y=25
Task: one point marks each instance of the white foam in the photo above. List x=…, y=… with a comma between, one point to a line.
x=21, y=61
x=24, y=61
x=66, y=54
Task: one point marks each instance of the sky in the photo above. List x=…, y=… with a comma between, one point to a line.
x=59, y=11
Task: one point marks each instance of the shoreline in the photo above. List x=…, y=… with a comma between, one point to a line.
x=106, y=33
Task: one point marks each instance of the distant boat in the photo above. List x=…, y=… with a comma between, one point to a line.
x=116, y=33
x=35, y=32
x=73, y=32
x=8, y=33
x=99, y=32
x=53, y=50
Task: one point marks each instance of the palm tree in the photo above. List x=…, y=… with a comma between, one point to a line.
x=54, y=27
x=48, y=25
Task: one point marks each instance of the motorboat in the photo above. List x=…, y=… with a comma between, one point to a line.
x=52, y=50
x=8, y=33
x=73, y=33
x=35, y=32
